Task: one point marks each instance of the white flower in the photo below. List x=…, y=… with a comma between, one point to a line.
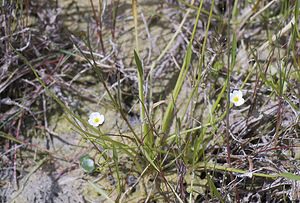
x=236, y=97
x=96, y=119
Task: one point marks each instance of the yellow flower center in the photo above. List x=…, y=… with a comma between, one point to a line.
x=96, y=120
x=235, y=99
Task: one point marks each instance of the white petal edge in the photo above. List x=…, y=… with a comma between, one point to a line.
x=94, y=115
x=102, y=119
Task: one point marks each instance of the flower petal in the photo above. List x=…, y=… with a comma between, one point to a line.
x=231, y=97
x=94, y=114
x=238, y=93
x=240, y=102
x=102, y=119
x=96, y=119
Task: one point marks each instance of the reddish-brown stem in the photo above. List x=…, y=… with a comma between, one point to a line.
x=99, y=27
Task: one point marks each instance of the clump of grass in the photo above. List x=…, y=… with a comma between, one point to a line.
x=194, y=145
x=189, y=148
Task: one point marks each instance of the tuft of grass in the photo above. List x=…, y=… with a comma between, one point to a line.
x=189, y=144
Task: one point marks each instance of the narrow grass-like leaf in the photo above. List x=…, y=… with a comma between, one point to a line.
x=213, y=189
x=169, y=112
x=117, y=169
x=146, y=131
x=150, y=160
x=290, y=176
